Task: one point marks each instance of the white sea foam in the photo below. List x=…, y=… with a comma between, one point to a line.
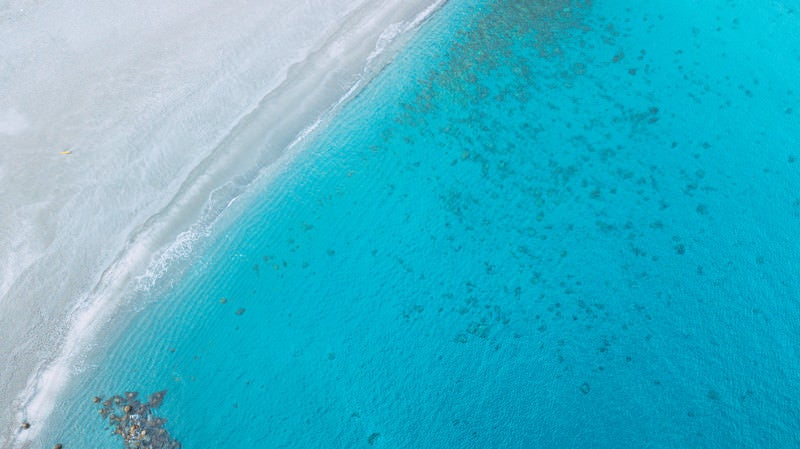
x=392, y=32
x=164, y=139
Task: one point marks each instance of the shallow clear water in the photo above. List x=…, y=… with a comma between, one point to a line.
x=547, y=224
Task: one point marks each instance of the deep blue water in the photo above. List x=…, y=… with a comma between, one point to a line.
x=547, y=224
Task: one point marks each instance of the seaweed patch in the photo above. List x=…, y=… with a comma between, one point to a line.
x=135, y=421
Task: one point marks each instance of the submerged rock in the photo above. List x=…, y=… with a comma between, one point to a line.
x=136, y=423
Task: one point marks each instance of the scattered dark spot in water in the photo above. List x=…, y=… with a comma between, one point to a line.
x=585, y=388
x=239, y=311
x=136, y=423
x=461, y=338
x=478, y=329
x=713, y=395
x=372, y=438
x=701, y=209
x=331, y=356
x=680, y=249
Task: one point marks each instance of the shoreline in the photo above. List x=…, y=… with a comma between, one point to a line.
x=204, y=193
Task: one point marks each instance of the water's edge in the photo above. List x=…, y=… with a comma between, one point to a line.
x=277, y=127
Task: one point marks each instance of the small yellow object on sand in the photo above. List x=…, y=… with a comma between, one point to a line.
x=66, y=152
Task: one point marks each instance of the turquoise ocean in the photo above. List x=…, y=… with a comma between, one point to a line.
x=546, y=224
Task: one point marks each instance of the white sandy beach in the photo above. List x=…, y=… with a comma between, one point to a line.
x=126, y=125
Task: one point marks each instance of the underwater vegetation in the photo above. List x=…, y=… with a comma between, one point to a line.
x=135, y=421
